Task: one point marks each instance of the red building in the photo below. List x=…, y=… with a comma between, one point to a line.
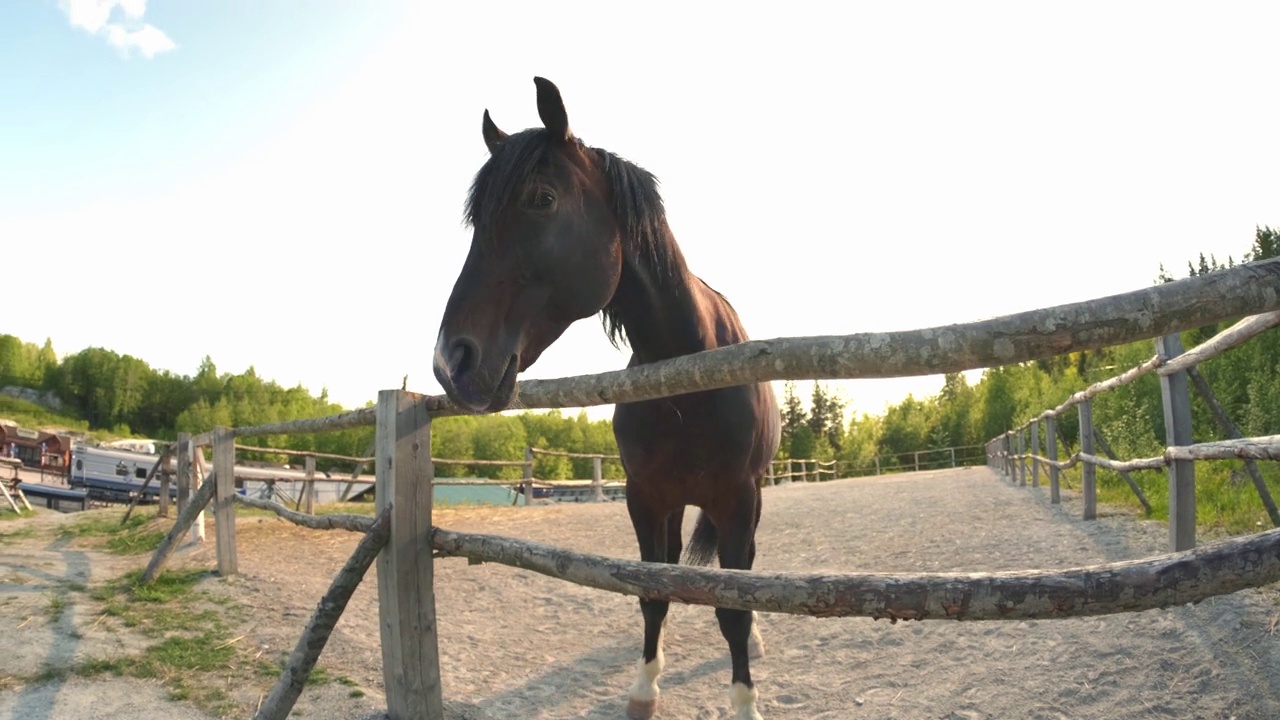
x=35, y=448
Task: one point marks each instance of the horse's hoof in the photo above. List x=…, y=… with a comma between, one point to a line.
x=641, y=709
x=743, y=701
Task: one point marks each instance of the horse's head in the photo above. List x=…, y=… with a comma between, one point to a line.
x=545, y=252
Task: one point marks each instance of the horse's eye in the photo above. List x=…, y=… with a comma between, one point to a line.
x=542, y=199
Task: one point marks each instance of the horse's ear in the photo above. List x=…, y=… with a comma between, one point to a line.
x=493, y=137
x=551, y=109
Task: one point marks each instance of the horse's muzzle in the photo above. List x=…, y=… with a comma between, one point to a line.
x=470, y=382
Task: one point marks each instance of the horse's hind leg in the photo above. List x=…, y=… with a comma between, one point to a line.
x=659, y=542
x=737, y=552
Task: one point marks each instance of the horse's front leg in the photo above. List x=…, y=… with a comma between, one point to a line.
x=659, y=542
x=737, y=552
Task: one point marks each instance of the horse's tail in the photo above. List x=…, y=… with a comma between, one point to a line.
x=701, y=548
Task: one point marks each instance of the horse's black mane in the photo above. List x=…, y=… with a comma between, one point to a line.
x=637, y=205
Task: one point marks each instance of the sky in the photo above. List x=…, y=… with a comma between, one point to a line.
x=280, y=184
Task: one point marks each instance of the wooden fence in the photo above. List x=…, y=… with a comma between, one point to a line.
x=403, y=541
x=811, y=470
x=1016, y=451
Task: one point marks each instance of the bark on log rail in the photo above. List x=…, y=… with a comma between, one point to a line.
x=329, y=423
x=1266, y=447
x=302, y=453
x=1232, y=337
x=496, y=463
x=1129, y=586
x=337, y=521
x=1248, y=289
x=1097, y=388
x=1142, y=314
x=561, y=453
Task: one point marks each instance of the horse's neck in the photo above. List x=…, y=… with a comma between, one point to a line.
x=667, y=312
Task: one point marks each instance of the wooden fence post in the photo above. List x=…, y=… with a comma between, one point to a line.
x=771, y=480
x=309, y=487
x=1051, y=451
x=197, y=482
x=917, y=460
x=953, y=457
x=528, y=477
x=1177, y=427
x=163, y=500
x=182, y=470
x=1010, y=470
x=597, y=479
x=790, y=470
x=224, y=509
x=1022, y=461
x=1088, y=471
x=877, y=464
x=1035, y=453
x=406, y=599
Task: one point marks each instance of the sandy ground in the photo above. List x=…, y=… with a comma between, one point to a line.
x=518, y=645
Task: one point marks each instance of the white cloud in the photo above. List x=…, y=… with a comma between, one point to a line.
x=127, y=32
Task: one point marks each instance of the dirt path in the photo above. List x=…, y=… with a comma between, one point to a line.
x=520, y=645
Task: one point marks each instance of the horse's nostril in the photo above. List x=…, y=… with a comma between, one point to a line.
x=462, y=357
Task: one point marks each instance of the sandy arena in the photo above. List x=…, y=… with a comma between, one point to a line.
x=515, y=644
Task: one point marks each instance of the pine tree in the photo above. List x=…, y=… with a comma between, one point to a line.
x=793, y=415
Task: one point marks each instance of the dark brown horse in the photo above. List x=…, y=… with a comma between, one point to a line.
x=563, y=231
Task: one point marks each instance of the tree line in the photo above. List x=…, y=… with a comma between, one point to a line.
x=122, y=396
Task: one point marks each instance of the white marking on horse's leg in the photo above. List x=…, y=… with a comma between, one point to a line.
x=743, y=701
x=755, y=643
x=643, y=700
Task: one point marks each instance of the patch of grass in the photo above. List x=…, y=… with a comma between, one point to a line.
x=350, y=508
x=20, y=533
x=355, y=692
x=49, y=673
x=318, y=676
x=8, y=514
x=168, y=585
x=194, y=653
x=135, y=543
x=193, y=641
x=103, y=526
x=131, y=537
x=56, y=606
x=151, y=607
x=1227, y=502
x=172, y=655
x=173, y=662
x=31, y=415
